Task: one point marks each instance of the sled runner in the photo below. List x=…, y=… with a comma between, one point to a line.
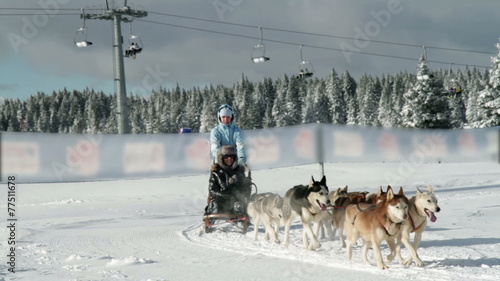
x=212, y=220
x=237, y=213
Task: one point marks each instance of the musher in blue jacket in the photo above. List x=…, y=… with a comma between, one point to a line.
x=227, y=133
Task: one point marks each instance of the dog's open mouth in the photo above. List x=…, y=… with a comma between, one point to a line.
x=431, y=215
x=321, y=205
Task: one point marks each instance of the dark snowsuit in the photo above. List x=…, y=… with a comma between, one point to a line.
x=227, y=186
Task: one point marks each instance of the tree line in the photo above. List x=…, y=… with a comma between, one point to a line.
x=428, y=99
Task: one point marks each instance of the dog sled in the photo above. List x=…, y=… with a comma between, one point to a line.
x=238, y=218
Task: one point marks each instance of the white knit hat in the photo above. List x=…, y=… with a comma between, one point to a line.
x=226, y=112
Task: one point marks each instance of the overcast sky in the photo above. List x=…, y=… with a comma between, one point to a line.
x=38, y=53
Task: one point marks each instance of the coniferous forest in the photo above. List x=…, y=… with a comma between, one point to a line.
x=428, y=99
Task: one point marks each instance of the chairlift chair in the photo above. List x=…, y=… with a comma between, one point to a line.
x=259, y=54
x=259, y=51
x=306, y=69
x=455, y=88
x=81, y=35
x=135, y=44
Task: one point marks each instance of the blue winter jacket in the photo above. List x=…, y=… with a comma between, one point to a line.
x=228, y=135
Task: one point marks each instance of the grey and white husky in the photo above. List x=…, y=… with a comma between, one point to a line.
x=266, y=208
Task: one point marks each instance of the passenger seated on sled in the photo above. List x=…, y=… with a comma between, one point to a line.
x=229, y=188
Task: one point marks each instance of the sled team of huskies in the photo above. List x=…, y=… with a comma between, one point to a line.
x=374, y=217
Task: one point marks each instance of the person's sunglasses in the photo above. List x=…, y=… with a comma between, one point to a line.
x=226, y=156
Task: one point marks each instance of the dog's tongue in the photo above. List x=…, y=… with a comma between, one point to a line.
x=431, y=215
x=321, y=205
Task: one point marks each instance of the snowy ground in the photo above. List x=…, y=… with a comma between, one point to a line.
x=150, y=229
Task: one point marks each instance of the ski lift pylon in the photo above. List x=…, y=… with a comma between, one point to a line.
x=306, y=68
x=135, y=44
x=259, y=51
x=81, y=34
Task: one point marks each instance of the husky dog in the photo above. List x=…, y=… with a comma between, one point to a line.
x=376, y=223
x=266, y=207
x=422, y=205
x=309, y=203
x=341, y=198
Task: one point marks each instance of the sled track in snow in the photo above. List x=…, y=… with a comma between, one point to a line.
x=331, y=254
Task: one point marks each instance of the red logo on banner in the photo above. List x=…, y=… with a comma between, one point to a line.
x=198, y=154
x=467, y=143
x=83, y=158
x=388, y=143
x=304, y=144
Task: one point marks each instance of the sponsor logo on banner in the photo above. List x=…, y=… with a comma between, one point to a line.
x=83, y=158
x=20, y=158
x=467, y=144
x=304, y=145
x=144, y=157
x=198, y=154
x=348, y=144
x=263, y=148
x=433, y=146
x=388, y=144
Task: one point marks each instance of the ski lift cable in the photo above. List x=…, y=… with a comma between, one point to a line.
x=295, y=44
x=32, y=14
x=320, y=34
x=251, y=26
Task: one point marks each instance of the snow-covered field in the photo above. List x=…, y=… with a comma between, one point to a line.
x=150, y=229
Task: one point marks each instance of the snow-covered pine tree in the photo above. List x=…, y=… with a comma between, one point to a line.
x=426, y=103
x=323, y=106
x=136, y=112
x=385, y=108
x=257, y=110
x=397, y=97
x=369, y=96
x=349, y=92
x=44, y=120
x=475, y=86
x=489, y=99
x=338, y=105
x=293, y=102
x=243, y=103
x=309, y=107
x=32, y=113
x=193, y=109
x=269, y=93
x=279, y=109
x=12, y=106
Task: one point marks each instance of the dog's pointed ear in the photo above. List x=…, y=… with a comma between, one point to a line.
x=323, y=180
x=389, y=188
x=430, y=189
x=401, y=192
x=380, y=191
x=312, y=181
x=390, y=194
x=418, y=191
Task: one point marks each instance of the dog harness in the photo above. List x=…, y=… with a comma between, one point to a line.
x=385, y=229
x=362, y=210
x=413, y=224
